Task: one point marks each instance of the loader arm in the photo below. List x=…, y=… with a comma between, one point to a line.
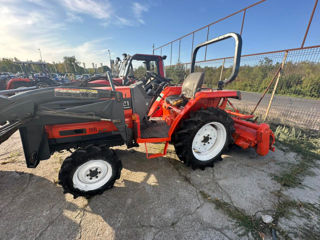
x=31, y=112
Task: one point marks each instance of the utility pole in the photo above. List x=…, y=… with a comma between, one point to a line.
x=65, y=67
x=40, y=54
x=55, y=67
x=109, y=58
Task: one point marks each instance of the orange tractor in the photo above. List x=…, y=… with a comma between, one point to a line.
x=88, y=121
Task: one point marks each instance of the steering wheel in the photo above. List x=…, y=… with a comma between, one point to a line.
x=153, y=83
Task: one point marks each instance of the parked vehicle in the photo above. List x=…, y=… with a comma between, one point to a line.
x=149, y=65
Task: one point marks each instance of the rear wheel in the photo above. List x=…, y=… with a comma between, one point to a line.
x=202, y=138
x=89, y=171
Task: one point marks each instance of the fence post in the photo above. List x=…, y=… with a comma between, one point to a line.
x=205, y=53
x=222, y=67
x=179, y=50
x=310, y=20
x=192, y=45
x=276, y=84
x=243, y=17
x=171, y=55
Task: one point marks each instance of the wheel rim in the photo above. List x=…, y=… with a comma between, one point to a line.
x=92, y=175
x=209, y=141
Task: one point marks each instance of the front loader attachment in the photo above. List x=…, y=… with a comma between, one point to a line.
x=34, y=112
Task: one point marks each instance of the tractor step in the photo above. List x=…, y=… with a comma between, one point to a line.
x=155, y=129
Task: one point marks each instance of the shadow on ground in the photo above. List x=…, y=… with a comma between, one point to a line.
x=152, y=200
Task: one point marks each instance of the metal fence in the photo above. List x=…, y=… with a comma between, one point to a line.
x=203, y=30
x=296, y=101
x=297, y=93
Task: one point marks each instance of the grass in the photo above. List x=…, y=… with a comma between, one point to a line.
x=11, y=158
x=254, y=225
x=302, y=210
x=15, y=154
x=307, y=144
x=246, y=224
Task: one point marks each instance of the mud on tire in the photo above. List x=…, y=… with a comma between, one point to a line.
x=201, y=139
x=89, y=171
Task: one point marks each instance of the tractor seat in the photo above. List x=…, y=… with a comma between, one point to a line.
x=190, y=86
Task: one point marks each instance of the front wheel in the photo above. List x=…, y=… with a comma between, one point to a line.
x=89, y=171
x=202, y=138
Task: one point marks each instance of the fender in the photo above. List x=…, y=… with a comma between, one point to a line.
x=210, y=98
x=104, y=82
x=13, y=80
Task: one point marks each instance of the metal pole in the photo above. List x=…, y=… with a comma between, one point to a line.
x=310, y=20
x=55, y=67
x=212, y=23
x=40, y=54
x=205, y=53
x=266, y=90
x=276, y=85
x=179, y=50
x=192, y=45
x=153, y=49
x=110, y=58
x=65, y=67
x=171, y=55
x=222, y=67
x=243, y=17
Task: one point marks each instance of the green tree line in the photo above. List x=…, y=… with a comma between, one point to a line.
x=298, y=79
x=68, y=65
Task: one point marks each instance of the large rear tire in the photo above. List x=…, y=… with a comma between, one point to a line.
x=201, y=139
x=89, y=171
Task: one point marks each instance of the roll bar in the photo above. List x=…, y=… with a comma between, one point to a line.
x=236, y=59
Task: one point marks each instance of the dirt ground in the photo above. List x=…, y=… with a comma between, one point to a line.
x=154, y=199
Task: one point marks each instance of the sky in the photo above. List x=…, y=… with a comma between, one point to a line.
x=86, y=29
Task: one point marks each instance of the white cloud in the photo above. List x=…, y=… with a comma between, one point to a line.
x=71, y=17
x=93, y=8
x=138, y=10
x=26, y=26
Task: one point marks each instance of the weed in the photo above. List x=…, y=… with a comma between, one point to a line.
x=11, y=158
x=15, y=154
x=245, y=223
x=307, y=211
x=308, y=146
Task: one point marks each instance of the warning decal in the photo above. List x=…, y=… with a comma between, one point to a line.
x=75, y=93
